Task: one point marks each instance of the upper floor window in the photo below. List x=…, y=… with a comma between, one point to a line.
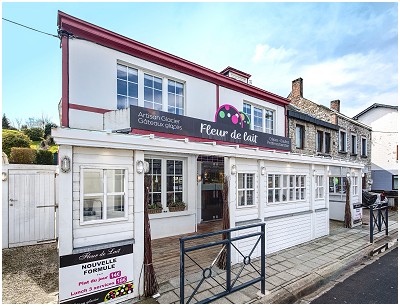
x=354, y=144
x=261, y=119
x=323, y=142
x=152, y=92
x=320, y=141
x=103, y=195
x=175, y=97
x=395, y=182
x=127, y=86
x=342, y=141
x=299, y=136
x=364, y=147
x=246, y=189
x=327, y=142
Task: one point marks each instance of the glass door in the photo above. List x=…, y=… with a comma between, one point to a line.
x=212, y=174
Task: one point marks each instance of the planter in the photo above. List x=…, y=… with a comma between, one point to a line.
x=176, y=208
x=155, y=210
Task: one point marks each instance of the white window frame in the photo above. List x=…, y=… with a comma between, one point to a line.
x=322, y=149
x=342, y=147
x=342, y=179
x=354, y=185
x=353, y=150
x=104, y=193
x=366, y=147
x=319, y=187
x=245, y=189
x=264, y=112
x=296, y=189
x=163, y=158
x=127, y=96
x=303, y=136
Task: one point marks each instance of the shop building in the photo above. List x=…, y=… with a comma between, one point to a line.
x=126, y=105
x=384, y=147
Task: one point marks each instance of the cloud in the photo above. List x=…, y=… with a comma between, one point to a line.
x=264, y=52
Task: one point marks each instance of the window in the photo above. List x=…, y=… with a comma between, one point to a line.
x=395, y=185
x=152, y=92
x=245, y=189
x=258, y=121
x=327, y=142
x=364, y=147
x=337, y=185
x=174, y=181
x=299, y=137
x=354, y=144
x=261, y=120
x=269, y=122
x=103, y=194
x=127, y=86
x=354, y=185
x=167, y=182
x=319, y=187
x=285, y=188
x=175, y=97
x=320, y=141
x=342, y=141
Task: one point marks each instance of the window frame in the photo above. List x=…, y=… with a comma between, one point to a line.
x=175, y=97
x=353, y=144
x=364, y=151
x=319, y=187
x=295, y=189
x=395, y=177
x=354, y=185
x=104, y=193
x=127, y=96
x=319, y=141
x=264, y=128
x=245, y=189
x=342, y=146
x=302, y=129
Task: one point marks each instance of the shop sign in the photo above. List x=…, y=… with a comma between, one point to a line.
x=230, y=126
x=96, y=276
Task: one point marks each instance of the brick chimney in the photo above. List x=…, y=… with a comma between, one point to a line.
x=335, y=105
x=297, y=88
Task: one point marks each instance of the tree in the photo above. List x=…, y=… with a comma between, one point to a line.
x=14, y=139
x=6, y=123
x=47, y=129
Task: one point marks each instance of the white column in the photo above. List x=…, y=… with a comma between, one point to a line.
x=312, y=198
x=5, y=208
x=191, y=187
x=138, y=219
x=228, y=163
x=262, y=186
x=65, y=209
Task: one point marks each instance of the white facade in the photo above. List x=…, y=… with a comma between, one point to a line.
x=384, y=147
x=265, y=185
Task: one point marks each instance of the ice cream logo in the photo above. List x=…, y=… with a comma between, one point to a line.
x=228, y=114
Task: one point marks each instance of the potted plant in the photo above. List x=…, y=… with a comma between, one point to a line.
x=155, y=208
x=176, y=206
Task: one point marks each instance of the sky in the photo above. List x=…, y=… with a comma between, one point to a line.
x=345, y=51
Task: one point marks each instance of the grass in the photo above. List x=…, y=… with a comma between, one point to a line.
x=36, y=145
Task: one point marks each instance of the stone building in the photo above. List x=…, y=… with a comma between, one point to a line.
x=318, y=130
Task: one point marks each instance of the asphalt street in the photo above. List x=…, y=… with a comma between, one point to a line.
x=377, y=283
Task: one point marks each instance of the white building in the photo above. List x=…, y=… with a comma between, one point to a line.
x=124, y=104
x=384, y=148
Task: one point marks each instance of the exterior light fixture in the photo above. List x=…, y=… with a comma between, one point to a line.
x=348, y=174
x=233, y=169
x=4, y=176
x=139, y=166
x=314, y=172
x=199, y=178
x=362, y=174
x=146, y=167
x=65, y=164
x=263, y=170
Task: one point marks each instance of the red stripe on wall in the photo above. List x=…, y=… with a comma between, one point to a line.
x=217, y=98
x=65, y=83
x=89, y=108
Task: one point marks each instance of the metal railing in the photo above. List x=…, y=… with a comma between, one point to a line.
x=207, y=273
x=378, y=216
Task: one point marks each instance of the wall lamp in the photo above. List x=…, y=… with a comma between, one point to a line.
x=142, y=166
x=4, y=176
x=233, y=169
x=263, y=170
x=198, y=178
x=65, y=164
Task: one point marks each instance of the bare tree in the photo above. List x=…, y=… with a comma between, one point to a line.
x=17, y=123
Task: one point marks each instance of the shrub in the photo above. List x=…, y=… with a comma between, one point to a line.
x=22, y=156
x=47, y=129
x=44, y=157
x=35, y=133
x=14, y=139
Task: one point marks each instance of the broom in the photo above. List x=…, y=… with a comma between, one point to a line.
x=150, y=280
x=347, y=212
x=221, y=262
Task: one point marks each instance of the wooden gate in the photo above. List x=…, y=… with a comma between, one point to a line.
x=31, y=205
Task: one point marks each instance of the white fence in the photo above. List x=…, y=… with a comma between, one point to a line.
x=29, y=212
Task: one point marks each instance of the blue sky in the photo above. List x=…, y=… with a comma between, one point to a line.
x=345, y=51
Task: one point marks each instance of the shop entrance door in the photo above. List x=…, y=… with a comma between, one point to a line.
x=212, y=175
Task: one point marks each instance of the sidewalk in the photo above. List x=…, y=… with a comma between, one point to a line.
x=291, y=273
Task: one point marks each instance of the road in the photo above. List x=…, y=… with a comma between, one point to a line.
x=377, y=283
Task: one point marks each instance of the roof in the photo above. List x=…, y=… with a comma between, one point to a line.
x=307, y=118
x=241, y=73
x=375, y=105
x=84, y=30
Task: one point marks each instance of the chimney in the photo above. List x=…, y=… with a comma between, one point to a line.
x=335, y=105
x=297, y=88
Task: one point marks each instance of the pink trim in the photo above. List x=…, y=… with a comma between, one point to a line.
x=197, y=139
x=88, y=108
x=217, y=95
x=65, y=83
x=88, y=31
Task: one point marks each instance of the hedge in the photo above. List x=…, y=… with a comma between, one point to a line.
x=44, y=157
x=22, y=156
x=14, y=139
x=35, y=134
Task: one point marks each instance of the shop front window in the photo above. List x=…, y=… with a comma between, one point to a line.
x=337, y=185
x=319, y=187
x=245, y=189
x=285, y=188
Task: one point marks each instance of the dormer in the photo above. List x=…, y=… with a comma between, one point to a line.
x=236, y=74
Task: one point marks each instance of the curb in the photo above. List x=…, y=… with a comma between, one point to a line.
x=297, y=289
